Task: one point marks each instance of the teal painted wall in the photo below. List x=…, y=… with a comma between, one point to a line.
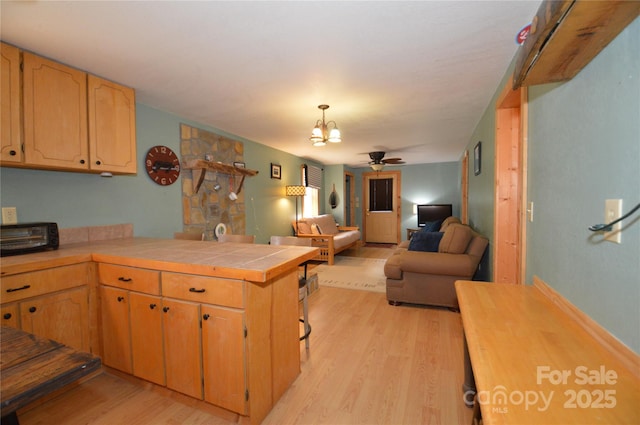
x=76, y=199
x=434, y=183
x=583, y=148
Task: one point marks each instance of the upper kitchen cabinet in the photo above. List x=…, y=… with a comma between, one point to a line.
x=72, y=121
x=112, y=126
x=11, y=138
x=55, y=115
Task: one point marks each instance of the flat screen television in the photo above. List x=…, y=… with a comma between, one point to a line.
x=433, y=212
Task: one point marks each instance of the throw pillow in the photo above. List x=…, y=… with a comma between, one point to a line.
x=425, y=241
x=304, y=227
x=432, y=226
x=315, y=229
x=456, y=239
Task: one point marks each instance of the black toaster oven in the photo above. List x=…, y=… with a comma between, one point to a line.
x=16, y=239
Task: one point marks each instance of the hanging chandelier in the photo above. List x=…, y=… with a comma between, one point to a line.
x=321, y=132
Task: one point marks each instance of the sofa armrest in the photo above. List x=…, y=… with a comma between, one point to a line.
x=430, y=263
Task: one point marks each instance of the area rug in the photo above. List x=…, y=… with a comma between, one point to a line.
x=353, y=273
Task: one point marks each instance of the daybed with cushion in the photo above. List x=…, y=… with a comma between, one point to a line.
x=327, y=235
x=424, y=269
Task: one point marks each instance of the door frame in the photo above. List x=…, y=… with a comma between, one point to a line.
x=509, y=238
x=464, y=179
x=396, y=190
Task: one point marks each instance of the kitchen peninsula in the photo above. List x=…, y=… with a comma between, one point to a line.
x=218, y=322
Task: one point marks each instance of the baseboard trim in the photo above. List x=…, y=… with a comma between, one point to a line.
x=613, y=345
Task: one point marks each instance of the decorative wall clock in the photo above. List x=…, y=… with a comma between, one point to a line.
x=162, y=165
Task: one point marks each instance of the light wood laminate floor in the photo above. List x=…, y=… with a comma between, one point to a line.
x=369, y=363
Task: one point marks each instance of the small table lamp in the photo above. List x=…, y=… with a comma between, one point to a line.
x=297, y=191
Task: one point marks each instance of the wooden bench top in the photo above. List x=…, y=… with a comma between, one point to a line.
x=535, y=364
x=32, y=367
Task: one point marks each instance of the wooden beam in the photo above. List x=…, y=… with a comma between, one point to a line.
x=200, y=167
x=566, y=35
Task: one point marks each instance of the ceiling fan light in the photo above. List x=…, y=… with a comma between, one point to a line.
x=377, y=167
x=334, y=135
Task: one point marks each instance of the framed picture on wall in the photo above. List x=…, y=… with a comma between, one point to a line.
x=276, y=171
x=477, y=158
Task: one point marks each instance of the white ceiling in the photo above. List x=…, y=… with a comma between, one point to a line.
x=408, y=77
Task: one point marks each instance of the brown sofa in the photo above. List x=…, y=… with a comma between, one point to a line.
x=428, y=278
x=327, y=235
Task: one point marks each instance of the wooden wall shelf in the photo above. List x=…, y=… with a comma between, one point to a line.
x=200, y=168
x=566, y=35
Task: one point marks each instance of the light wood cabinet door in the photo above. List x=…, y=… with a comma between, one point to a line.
x=146, y=337
x=55, y=115
x=11, y=137
x=183, y=356
x=63, y=317
x=116, y=331
x=112, y=126
x=10, y=315
x=223, y=356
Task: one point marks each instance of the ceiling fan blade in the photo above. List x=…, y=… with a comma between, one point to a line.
x=393, y=161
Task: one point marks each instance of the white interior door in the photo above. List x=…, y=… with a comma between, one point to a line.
x=381, y=194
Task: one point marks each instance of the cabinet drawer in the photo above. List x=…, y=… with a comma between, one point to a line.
x=134, y=279
x=209, y=290
x=26, y=285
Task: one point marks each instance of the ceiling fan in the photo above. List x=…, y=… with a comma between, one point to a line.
x=378, y=162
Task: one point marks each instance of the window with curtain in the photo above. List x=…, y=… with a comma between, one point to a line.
x=312, y=179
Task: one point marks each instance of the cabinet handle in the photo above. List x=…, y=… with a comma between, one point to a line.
x=98, y=163
x=165, y=309
x=7, y=316
x=196, y=290
x=124, y=279
x=18, y=289
x=120, y=299
x=206, y=317
x=82, y=161
x=32, y=309
x=152, y=306
x=13, y=153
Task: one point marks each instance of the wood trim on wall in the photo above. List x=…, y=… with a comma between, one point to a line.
x=609, y=342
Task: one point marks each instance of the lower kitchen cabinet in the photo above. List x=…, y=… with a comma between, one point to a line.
x=116, y=332
x=146, y=337
x=223, y=351
x=132, y=333
x=52, y=303
x=182, y=346
x=59, y=317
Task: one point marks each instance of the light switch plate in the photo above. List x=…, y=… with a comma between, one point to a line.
x=9, y=215
x=613, y=211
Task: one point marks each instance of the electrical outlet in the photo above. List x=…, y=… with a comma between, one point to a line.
x=9, y=215
x=613, y=211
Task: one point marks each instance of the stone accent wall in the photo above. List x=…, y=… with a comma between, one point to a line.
x=202, y=211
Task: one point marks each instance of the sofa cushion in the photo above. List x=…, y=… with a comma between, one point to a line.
x=304, y=227
x=432, y=226
x=448, y=221
x=315, y=229
x=425, y=241
x=456, y=238
x=326, y=222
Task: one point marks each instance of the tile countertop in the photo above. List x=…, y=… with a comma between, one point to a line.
x=251, y=262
